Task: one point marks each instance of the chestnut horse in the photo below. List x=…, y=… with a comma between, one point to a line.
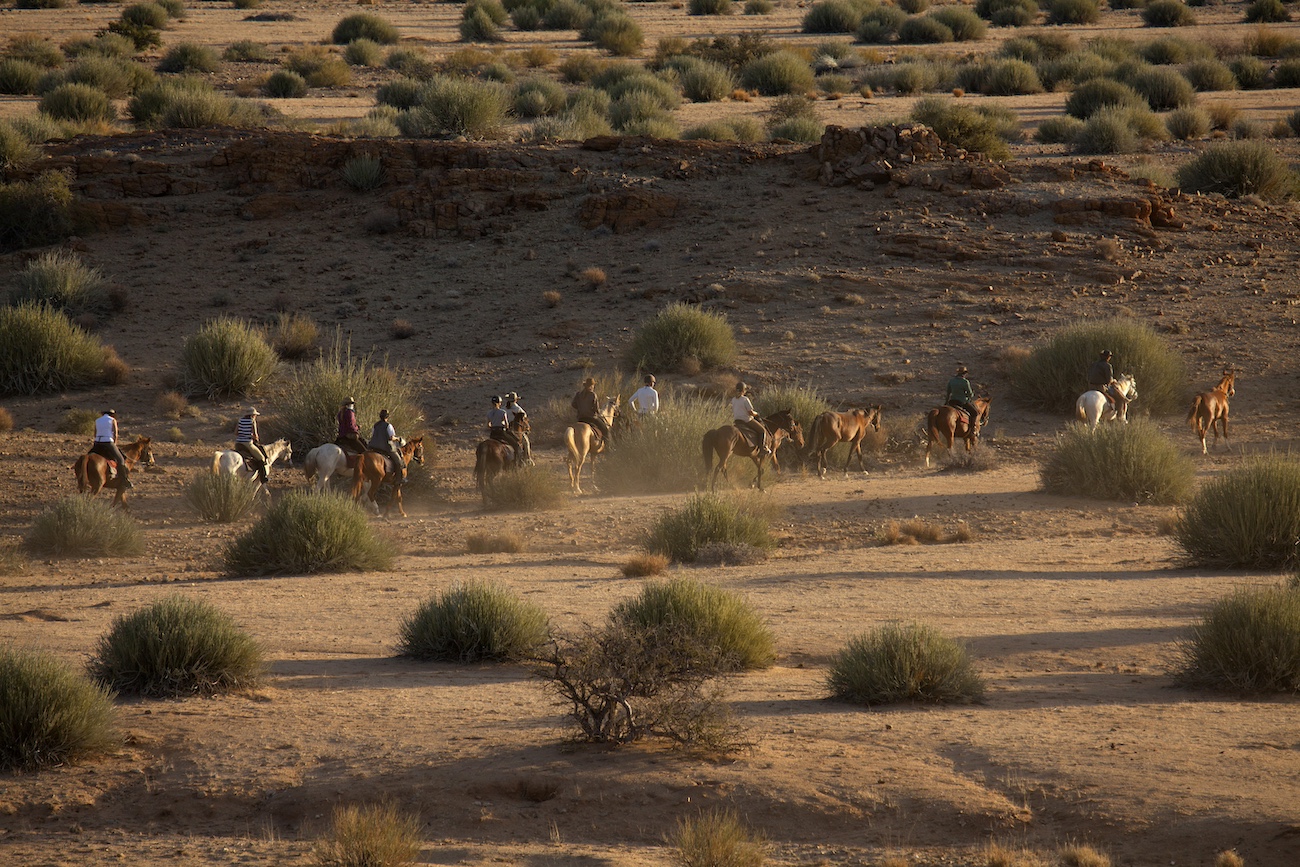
x=491, y=456
x=947, y=423
x=831, y=428
x=726, y=441
x=1211, y=406
x=92, y=469
x=372, y=469
x=581, y=437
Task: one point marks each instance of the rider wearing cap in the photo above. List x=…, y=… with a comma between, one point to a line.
x=645, y=400
x=249, y=444
x=106, y=446
x=961, y=394
x=746, y=417
x=1101, y=377
x=349, y=438
x=499, y=427
x=383, y=439
x=515, y=412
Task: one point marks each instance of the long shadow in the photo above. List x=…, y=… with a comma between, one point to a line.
x=988, y=575
x=385, y=672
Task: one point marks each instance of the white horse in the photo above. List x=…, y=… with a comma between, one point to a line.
x=322, y=463
x=1093, y=408
x=231, y=462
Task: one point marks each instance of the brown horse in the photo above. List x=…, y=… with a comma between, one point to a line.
x=1211, y=406
x=726, y=441
x=582, y=441
x=831, y=428
x=947, y=423
x=492, y=457
x=373, y=468
x=92, y=469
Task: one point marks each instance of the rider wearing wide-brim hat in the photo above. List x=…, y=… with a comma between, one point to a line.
x=587, y=407
x=745, y=417
x=249, y=444
x=961, y=394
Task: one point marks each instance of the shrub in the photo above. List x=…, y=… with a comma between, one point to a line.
x=478, y=26
x=78, y=526
x=1211, y=75
x=832, y=16
x=567, y=15
x=1107, y=132
x=61, y=281
x=49, y=714
x=456, y=106
x=1187, y=123
x=636, y=107
x=42, y=351
x=1287, y=74
x=903, y=663
x=707, y=82
x=79, y=103
x=364, y=172
x=1267, y=12
x=965, y=25
x=924, y=30
x=1133, y=463
x=1010, y=78
x=141, y=36
x=175, y=9
x=972, y=128
x=1170, y=50
x=6, y=425
x=709, y=518
x=220, y=498
x=18, y=76
x=1222, y=114
x=662, y=454
x=1092, y=96
x=710, y=7
x=188, y=57
x=1251, y=72
x=1009, y=13
x=1168, y=13
x=1249, y=642
x=247, y=51
x=759, y=7
x=1163, y=88
x=400, y=93
x=226, y=358
x=202, y=107
x=35, y=50
x=1247, y=518
x=149, y=105
x=1073, y=12
x=680, y=332
x=494, y=543
x=1239, y=168
x=370, y=836
x=77, y=421
x=104, y=44
x=1059, y=130
x=474, y=622
x=146, y=15
x=705, y=614
x=528, y=489
x=363, y=52
x=539, y=97
x=34, y=212
x=644, y=566
x=616, y=33
x=717, y=839
x=363, y=25
x=778, y=73
x=881, y=24
x=1052, y=378
x=306, y=534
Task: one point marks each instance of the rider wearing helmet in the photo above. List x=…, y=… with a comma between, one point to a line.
x=961, y=394
x=746, y=418
x=106, y=446
x=383, y=439
x=645, y=400
x=499, y=427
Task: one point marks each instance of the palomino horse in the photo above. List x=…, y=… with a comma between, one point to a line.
x=92, y=469
x=491, y=456
x=1211, y=406
x=831, y=428
x=580, y=438
x=1093, y=407
x=726, y=441
x=947, y=423
x=372, y=469
x=231, y=462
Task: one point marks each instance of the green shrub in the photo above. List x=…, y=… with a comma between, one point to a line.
x=705, y=81
x=16, y=152
x=474, y=622
x=717, y=839
x=493, y=9
x=924, y=30
x=1010, y=78
x=148, y=106
x=571, y=125
x=35, y=212
x=759, y=7
x=1100, y=93
x=1267, y=12
x=363, y=25
x=635, y=107
x=965, y=25
x=77, y=421
x=34, y=49
x=115, y=76
x=370, y=836
x=1239, y=168
x=1073, y=12
x=478, y=26
x=705, y=614
x=308, y=533
x=1107, y=132
x=18, y=76
x=364, y=52
x=1251, y=72
x=832, y=16
x=146, y=15
x=705, y=519
x=78, y=526
x=142, y=36
x=903, y=663
x=104, y=44
x=680, y=332
x=1132, y=463
x=49, y=714
x=1248, y=643
x=1287, y=74
x=1206, y=75
x=1168, y=13
x=616, y=33
x=175, y=647
x=400, y=93
x=226, y=358
x=1059, y=130
x=60, y=280
x=175, y=9
x=1171, y=50
x=188, y=57
x=1188, y=123
x=1247, y=518
x=778, y=73
x=1053, y=376
x=364, y=173
x=804, y=130
x=293, y=335
x=567, y=15
x=247, y=51
x=738, y=130
x=79, y=103
x=42, y=351
x=710, y=7
x=220, y=498
x=975, y=128
x=1009, y=13
x=411, y=63
x=451, y=106
x=662, y=454
x=539, y=97
x=880, y=24
x=1163, y=88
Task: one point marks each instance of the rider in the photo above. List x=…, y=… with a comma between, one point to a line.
x=249, y=444
x=961, y=394
x=383, y=439
x=349, y=438
x=645, y=400
x=499, y=427
x=1101, y=377
x=514, y=412
x=588, y=409
x=106, y=446
x=746, y=418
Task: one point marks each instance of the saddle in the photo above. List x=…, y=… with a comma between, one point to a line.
x=499, y=436
x=748, y=436
x=963, y=414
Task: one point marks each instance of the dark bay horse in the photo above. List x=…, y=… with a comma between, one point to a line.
x=92, y=469
x=831, y=428
x=1211, y=406
x=372, y=468
x=947, y=423
x=726, y=441
x=492, y=457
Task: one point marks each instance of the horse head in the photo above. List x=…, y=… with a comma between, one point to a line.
x=983, y=404
x=520, y=423
x=873, y=418
x=796, y=434
x=1128, y=386
x=417, y=449
x=610, y=410
x=1227, y=383
x=146, y=451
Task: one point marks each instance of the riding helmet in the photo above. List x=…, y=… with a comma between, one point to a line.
x=383, y=413
x=512, y=397
x=350, y=401
x=496, y=399
x=741, y=387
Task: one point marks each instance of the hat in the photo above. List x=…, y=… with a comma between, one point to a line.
x=496, y=398
x=649, y=380
x=961, y=369
x=1105, y=353
x=589, y=381
x=512, y=396
x=111, y=412
x=383, y=413
x=252, y=410
x=349, y=401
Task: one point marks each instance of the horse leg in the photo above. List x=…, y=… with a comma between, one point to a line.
x=1223, y=420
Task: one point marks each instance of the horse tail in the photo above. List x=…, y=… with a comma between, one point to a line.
x=480, y=467
x=216, y=462
x=1195, y=411
x=571, y=443
x=706, y=446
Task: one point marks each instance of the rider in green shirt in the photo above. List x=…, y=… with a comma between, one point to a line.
x=961, y=394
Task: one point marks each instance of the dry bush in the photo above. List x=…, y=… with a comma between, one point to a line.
x=729, y=554
x=370, y=836
x=494, y=543
x=1080, y=855
x=473, y=622
x=1222, y=114
x=402, y=329
x=1248, y=643
x=527, y=489
x=81, y=527
x=595, y=278
x=171, y=404
x=903, y=663
x=50, y=714
x=1002, y=855
x=551, y=298
x=1246, y=518
x=917, y=531
x=293, y=335
x=645, y=566
x=116, y=371
x=717, y=839
x=1229, y=858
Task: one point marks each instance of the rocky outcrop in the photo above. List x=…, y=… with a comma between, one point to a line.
x=900, y=155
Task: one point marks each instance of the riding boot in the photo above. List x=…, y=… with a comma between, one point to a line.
x=124, y=478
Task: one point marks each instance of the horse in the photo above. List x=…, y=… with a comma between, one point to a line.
x=1211, y=406
x=491, y=456
x=580, y=437
x=726, y=441
x=947, y=423
x=1093, y=407
x=372, y=469
x=831, y=428
x=92, y=469
x=323, y=462
x=231, y=462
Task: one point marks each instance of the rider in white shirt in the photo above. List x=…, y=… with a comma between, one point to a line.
x=746, y=417
x=645, y=400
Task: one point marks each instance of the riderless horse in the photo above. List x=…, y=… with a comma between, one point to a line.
x=726, y=441
x=96, y=472
x=1094, y=407
x=375, y=475
x=583, y=440
x=231, y=462
x=948, y=423
x=1211, y=406
x=831, y=428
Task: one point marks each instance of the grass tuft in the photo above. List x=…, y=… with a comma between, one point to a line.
x=50, y=714
x=309, y=533
x=474, y=622
x=1240, y=168
x=897, y=663
x=527, y=489
x=710, y=518
x=226, y=358
x=1246, y=518
x=220, y=498
x=78, y=526
x=494, y=543
x=370, y=836
x=644, y=566
x=705, y=614
x=1248, y=643
x=681, y=331
x=717, y=839
x=364, y=25
x=1133, y=463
